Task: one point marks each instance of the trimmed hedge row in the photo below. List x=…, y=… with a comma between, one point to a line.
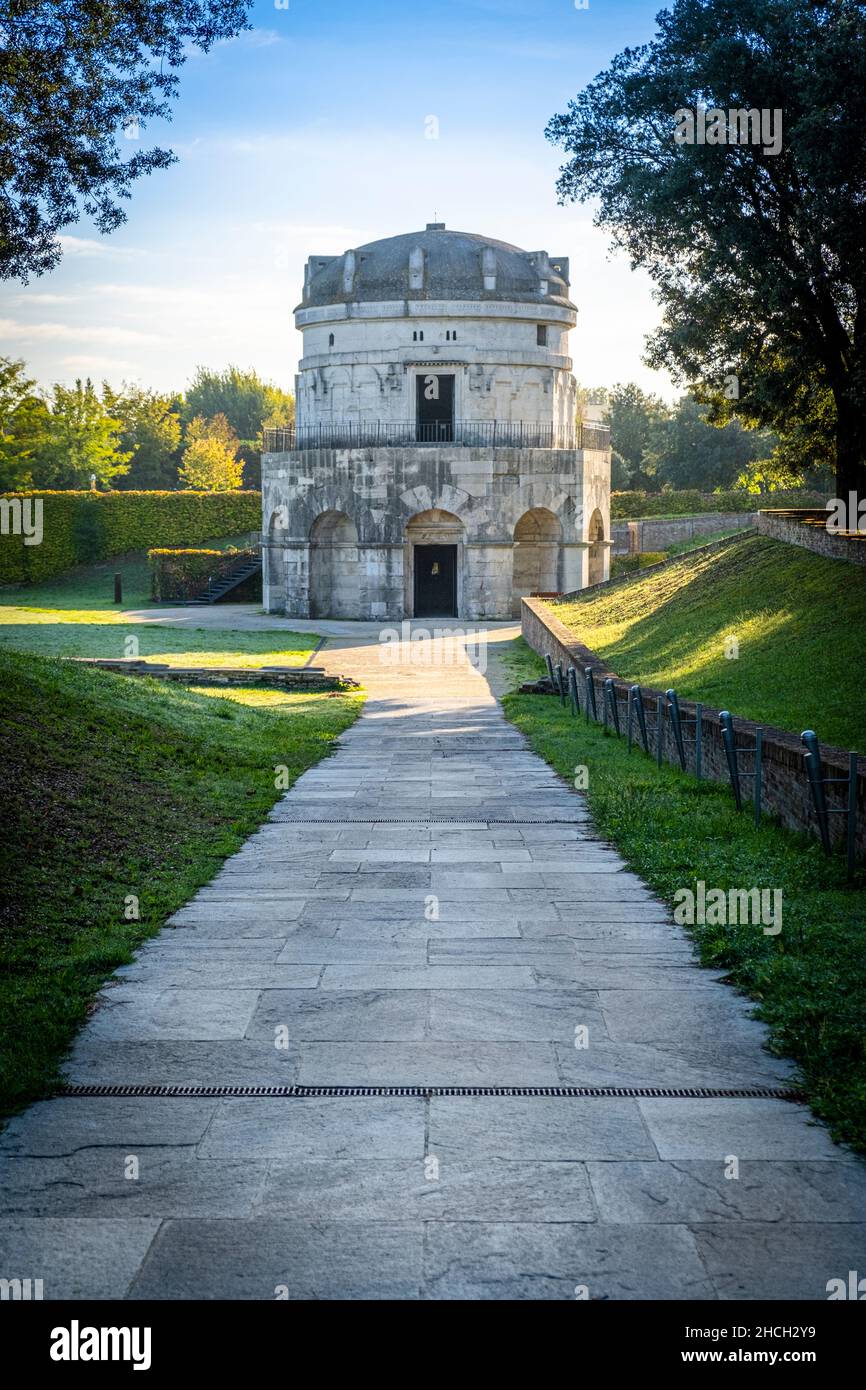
x=631, y=505
x=182, y=574
x=85, y=527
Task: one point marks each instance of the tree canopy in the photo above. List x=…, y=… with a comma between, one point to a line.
x=75, y=76
x=758, y=258
x=247, y=402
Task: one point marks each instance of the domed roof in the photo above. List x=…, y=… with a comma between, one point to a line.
x=436, y=264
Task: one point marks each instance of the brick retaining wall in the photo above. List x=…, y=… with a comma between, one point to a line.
x=783, y=526
x=785, y=790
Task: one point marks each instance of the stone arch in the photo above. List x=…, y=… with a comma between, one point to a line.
x=595, y=536
x=275, y=565
x=537, y=538
x=434, y=526
x=334, y=578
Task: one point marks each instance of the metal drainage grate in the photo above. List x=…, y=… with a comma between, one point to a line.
x=348, y=1092
x=414, y=820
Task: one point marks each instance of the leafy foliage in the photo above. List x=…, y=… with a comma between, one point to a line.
x=210, y=459
x=149, y=431
x=181, y=574
x=247, y=402
x=23, y=424
x=83, y=440
x=758, y=259
x=73, y=75
x=124, y=521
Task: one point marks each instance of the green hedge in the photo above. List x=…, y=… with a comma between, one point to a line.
x=182, y=574
x=632, y=505
x=85, y=527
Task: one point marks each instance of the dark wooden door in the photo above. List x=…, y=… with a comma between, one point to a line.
x=435, y=407
x=435, y=581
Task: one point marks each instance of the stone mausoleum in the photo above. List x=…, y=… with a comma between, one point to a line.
x=435, y=468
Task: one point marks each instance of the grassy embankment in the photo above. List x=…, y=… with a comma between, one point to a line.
x=114, y=786
x=800, y=622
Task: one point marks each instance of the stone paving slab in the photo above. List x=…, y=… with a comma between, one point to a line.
x=268, y=1258
x=429, y=906
x=77, y=1257
x=553, y=1261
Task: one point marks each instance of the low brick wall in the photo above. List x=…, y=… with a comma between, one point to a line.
x=785, y=789
x=660, y=533
x=782, y=526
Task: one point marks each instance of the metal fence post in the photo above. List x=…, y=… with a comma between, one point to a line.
x=699, y=741
x=573, y=691
x=560, y=683
x=660, y=728
x=852, y=812
x=590, y=694
x=728, y=739
x=813, y=771
x=759, y=770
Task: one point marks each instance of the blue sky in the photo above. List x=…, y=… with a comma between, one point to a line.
x=309, y=135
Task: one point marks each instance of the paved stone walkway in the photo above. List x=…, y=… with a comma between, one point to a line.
x=429, y=905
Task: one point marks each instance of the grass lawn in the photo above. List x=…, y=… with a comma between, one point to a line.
x=809, y=982
x=176, y=646
x=91, y=587
x=73, y=615
x=110, y=787
x=799, y=620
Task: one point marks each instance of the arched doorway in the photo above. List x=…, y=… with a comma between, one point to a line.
x=334, y=591
x=536, y=555
x=434, y=564
x=597, y=548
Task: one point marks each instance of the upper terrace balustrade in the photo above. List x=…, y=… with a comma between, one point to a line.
x=471, y=434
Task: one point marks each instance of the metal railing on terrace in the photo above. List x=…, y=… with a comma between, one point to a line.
x=473, y=434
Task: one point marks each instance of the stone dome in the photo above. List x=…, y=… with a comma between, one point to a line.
x=437, y=264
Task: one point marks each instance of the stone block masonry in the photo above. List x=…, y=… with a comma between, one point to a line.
x=655, y=533
x=785, y=791
x=299, y=678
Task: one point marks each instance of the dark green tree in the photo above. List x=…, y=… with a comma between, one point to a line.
x=246, y=401
x=149, y=433
x=83, y=441
x=686, y=452
x=758, y=258
x=631, y=414
x=24, y=427
x=75, y=76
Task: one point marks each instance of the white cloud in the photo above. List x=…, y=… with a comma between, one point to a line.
x=38, y=298
x=65, y=332
x=83, y=363
x=89, y=246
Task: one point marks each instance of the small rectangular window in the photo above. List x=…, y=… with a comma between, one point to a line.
x=541, y=335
